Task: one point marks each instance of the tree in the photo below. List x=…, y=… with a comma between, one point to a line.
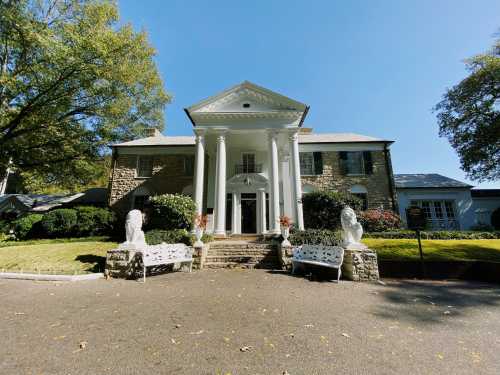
x=469, y=116
x=71, y=82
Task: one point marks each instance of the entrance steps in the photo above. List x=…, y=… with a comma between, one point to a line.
x=241, y=254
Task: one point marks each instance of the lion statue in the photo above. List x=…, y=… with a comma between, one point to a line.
x=352, y=231
x=133, y=229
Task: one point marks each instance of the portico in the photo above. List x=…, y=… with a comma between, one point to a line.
x=247, y=137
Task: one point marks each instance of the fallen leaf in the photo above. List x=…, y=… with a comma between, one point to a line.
x=345, y=335
x=447, y=312
x=197, y=333
x=83, y=344
x=245, y=348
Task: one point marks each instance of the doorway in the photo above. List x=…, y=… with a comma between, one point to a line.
x=248, y=213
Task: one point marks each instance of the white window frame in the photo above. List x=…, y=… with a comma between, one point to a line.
x=313, y=167
x=254, y=160
x=363, y=172
x=137, y=166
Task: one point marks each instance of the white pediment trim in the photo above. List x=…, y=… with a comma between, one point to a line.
x=250, y=91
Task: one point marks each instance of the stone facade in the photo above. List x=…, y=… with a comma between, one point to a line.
x=379, y=184
x=360, y=265
x=168, y=177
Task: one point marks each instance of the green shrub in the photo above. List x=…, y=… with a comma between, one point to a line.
x=93, y=221
x=436, y=235
x=495, y=219
x=315, y=237
x=157, y=236
x=379, y=220
x=27, y=226
x=59, y=223
x=322, y=208
x=171, y=211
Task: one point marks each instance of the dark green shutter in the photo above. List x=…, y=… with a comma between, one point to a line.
x=343, y=162
x=367, y=159
x=318, y=163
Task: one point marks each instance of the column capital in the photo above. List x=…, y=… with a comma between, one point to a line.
x=293, y=135
x=272, y=133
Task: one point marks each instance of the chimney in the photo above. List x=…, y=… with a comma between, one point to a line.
x=152, y=132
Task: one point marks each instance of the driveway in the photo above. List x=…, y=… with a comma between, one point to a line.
x=248, y=322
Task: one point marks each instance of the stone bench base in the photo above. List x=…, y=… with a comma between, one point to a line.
x=127, y=263
x=359, y=265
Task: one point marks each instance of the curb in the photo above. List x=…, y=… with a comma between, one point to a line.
x=42, y=277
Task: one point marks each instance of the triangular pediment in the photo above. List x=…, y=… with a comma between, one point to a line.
x=247, y=98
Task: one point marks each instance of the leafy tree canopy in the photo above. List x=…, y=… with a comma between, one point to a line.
x=469, y=116
x=72, y=80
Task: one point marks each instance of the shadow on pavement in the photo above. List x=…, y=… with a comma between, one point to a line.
x=433, y=302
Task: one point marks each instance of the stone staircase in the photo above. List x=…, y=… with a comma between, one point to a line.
x=241, y=254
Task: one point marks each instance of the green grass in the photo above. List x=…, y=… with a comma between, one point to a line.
x=53, y=240
x=55, y=256
x=438, y=250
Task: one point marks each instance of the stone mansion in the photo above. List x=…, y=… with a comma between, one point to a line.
x=249, y=162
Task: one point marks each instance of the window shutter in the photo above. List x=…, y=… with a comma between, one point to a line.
x=343, y=162
x=318, y=163
x=367, y=159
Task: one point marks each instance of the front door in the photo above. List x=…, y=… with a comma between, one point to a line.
x=248, y=213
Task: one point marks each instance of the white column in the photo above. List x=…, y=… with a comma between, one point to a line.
x=220, y=193
x=200, y=170
x=261, y=210
x=297, y=185
x=287, y=191
x=274, y=217
x=236, y=216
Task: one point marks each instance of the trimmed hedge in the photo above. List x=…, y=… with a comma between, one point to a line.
x=93, y=221
x=436, y=235
x=157, y=236
x=171, y=211
x=59, y=223
x=315, y=237
x=322, y=208
x=27, y=226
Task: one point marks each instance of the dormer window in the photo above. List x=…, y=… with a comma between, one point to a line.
x=246, y=105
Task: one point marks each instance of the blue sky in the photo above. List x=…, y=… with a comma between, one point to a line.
x=369, y=67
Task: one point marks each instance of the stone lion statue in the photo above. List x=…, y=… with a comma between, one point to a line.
x=352, y=231
x=133, y=229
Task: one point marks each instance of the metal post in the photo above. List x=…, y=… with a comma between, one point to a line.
x=422, y=265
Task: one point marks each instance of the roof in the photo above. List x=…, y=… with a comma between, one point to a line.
x=427, y=180
x=44, y=202
x=162, y=140
x=337, y=138
x=485, y=193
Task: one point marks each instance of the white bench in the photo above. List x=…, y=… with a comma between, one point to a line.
x=156, y=255
x=319, y=255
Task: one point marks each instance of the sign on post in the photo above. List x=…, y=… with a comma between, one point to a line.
x=416, y=220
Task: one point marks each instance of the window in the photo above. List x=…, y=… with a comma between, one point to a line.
x=248, y=162
x=356, y=162
x=189, y=165
x=144, y=166
x=311, y=163
x=360, y=192
x=306, y=163
x=440, y=214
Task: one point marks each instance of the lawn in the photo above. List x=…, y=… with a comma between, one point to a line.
x=439, y=250
x=55, y=257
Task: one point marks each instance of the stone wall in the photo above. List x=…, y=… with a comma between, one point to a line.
x=168, y=177
x=377, y=184
x=358, y=265
x=127, y=264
